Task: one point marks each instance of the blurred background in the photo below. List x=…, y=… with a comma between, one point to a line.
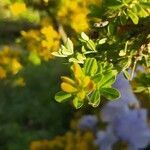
x=30, y=118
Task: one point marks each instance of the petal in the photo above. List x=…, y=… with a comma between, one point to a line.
x=78, y=73
x=90, y=87
x=86, y=81
x=68, y=80
x=81, y=94
x=68, y=88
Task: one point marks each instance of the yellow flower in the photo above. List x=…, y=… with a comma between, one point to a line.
x=81, y=94
x=43, y=41
x=15, y=66
x=68, y=80
x=2, y=73
x=40, y=145
x=49, y=32
x=68, y=88
x=78, y=73
x=80, y=86
x=79, y=22
x=18, y=8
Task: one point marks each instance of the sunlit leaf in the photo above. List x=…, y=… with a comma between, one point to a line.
x=107, y=80
x=94, y=98
x=133, y=16
x=84, y=36
x=102, y=41
x=110, y=93
x=62, y=96
x=90, y=66
x=77, y=103
x=69, y=47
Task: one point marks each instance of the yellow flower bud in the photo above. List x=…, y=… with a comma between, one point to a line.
x=81, y=94
x=90, y=86
x=86, y=81
x=78, y=73
x=68, y=88
x=2, y=73
x=68, y=80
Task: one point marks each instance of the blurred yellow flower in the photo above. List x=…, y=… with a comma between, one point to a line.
x=74, y=13
x=43, y=41
x=40, y=145
x=9, y=61
x=18, y=8
x=69, y=141
x=80, y=22
x=15, y=66
x=49, y=32
x=2, y=73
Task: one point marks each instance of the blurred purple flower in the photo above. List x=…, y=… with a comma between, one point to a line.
x=88, y=122
x=126, y=124
x=130, y=126
x=127, y=96
x=105, y=139
x=113, y=108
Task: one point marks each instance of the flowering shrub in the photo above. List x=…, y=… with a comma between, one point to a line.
x=70, y=141
x=41, y=43
x=9, y=62
x=99, y=42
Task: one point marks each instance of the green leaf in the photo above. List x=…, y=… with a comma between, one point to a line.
x=91, y=45
x=122, y=53
x=97, y=78
x=69, y=46
x=141, y=11
x=140, y=89
x=107, y=80
x=34, y=58
x=84, y=36
x=133, y=16
x=89, y=52
x=62, y=96
x=114, y=4
x=126, y=74
x=111, y=28
x=58, y=54
x=145, y=4
x=78, y=59
x=123, y=18
x=110, y=93
x=127, y=1
x=90, y=66
x=77, y=103
x=102, y=41
x=94, y=99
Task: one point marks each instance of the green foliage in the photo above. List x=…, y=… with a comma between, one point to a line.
x=32, y=114
x=66, y=50
x=142, y=83
x=114, y=37
x=89, y=83
x=118, y=47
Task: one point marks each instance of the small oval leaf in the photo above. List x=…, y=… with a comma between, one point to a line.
x=77, y=103
x=90, y=66
x=110, y=93
x=94, y=99
x=62, y=96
